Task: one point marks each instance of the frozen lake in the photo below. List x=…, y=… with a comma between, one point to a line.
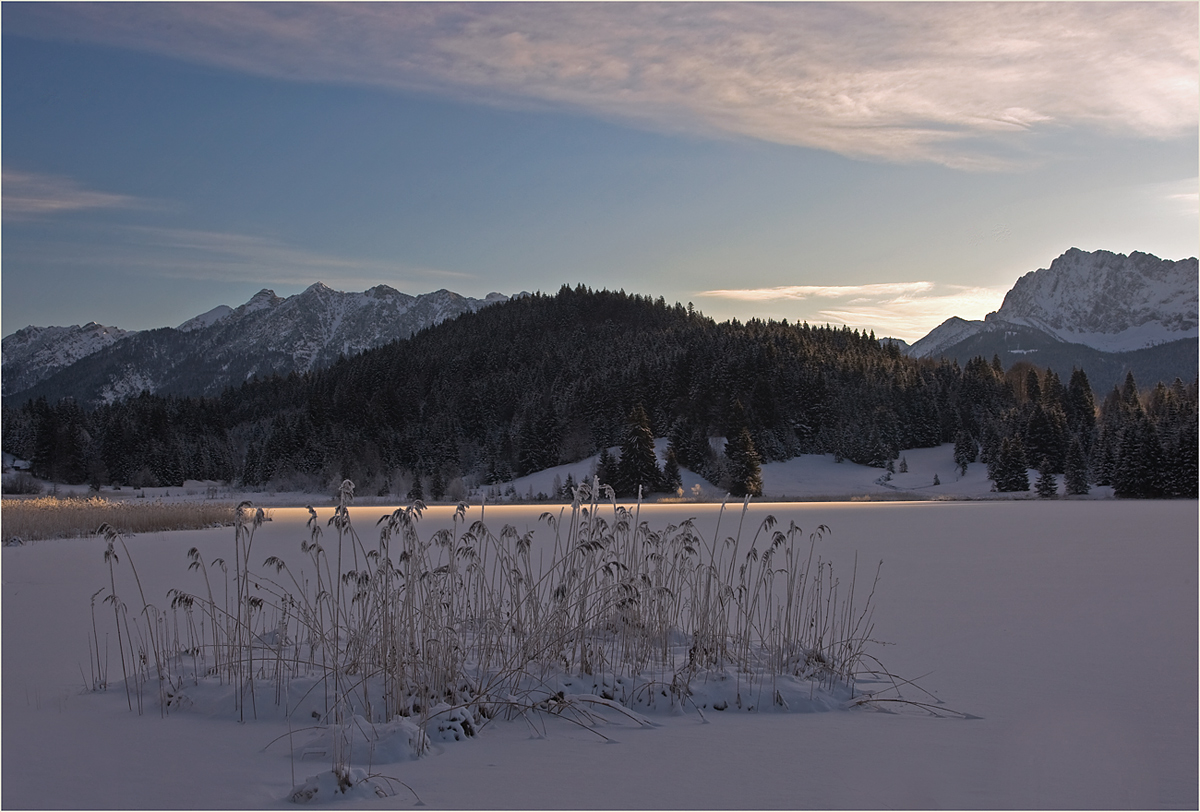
x=1070, y=628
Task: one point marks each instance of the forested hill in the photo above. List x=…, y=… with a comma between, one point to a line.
x=541, y=380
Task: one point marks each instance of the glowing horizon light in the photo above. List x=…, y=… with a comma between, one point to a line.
x=906, y=310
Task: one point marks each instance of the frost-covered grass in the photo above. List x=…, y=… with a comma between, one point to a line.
x=50, y=517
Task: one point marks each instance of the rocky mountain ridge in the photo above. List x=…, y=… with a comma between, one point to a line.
x=266, y=335
x=33, y=353
x=1108, y=302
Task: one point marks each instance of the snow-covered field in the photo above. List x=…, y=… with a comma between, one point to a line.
x=1068, y=627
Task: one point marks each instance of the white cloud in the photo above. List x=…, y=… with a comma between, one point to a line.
x=29, y=195
x=1185, y=196
x=953, y=83
x=907, y=310
x=896, y=291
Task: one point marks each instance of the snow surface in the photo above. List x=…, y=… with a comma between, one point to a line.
x=1069, y=627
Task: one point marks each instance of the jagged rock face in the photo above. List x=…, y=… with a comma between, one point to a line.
x=1107, y=301
x=1105, y=313
x=33, y=354
x=317, y=326
x=268, y=334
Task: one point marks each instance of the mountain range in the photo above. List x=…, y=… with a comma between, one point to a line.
x=1103, y=312
x=267, y=335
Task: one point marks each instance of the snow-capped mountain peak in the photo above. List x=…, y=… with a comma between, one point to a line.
x=1102, y=300
x=1108, y=301
x=262, y=300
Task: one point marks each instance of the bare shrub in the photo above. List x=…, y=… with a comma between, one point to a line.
x=21, y=483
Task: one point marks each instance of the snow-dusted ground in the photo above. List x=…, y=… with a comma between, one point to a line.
x=1069, y=627
x=818, y=477
x=810, y=477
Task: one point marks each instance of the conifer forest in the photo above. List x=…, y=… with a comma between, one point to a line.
x=548, y=379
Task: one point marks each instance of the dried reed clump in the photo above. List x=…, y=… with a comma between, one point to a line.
x=51, y=517
x=458, y=628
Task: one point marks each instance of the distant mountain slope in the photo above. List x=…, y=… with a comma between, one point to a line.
x=225, y=346
x=35, y=353
x=1104, y=312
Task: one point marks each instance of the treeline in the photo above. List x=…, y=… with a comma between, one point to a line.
x=548, y=379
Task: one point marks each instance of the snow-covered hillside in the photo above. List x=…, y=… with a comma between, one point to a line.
x=810, y=477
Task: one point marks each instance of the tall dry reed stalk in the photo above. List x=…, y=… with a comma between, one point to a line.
x=455, y=629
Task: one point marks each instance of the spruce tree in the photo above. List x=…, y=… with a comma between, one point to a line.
x=638, y=466
x=1046, y=485
x=416, y=492
x=965, y=451
x=1080, y=407
x=437, y=484
x=745, y=471
x=1010, y=471
x=1076, y=475
x=672, y=478
x=606, y=469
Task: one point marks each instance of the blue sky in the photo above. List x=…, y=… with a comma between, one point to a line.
x=883, y=165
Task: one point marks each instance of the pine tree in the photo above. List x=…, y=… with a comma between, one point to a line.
x=638, y=466
x=965, y=451
x=1010, y=471
x=745, y=471
x=1046, y=485
x=416, y=492
x=1033, y=387
x=1076, y=473
x=1045, y=435
x=437, y=484
x=1079, y=404
x=1139, y=470
x=672, y=477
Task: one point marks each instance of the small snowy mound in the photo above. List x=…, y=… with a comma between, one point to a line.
x=331, y=786
x=363, y=741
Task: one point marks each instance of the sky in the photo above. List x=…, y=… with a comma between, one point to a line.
x=881, y=165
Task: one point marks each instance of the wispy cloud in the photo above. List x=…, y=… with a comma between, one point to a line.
x=29, y=196
x=174, y=253
x=960, y=84
x=905, y=310
x=1186, y=196
x=895, y=291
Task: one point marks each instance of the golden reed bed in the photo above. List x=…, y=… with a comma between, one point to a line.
x=47, y=517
